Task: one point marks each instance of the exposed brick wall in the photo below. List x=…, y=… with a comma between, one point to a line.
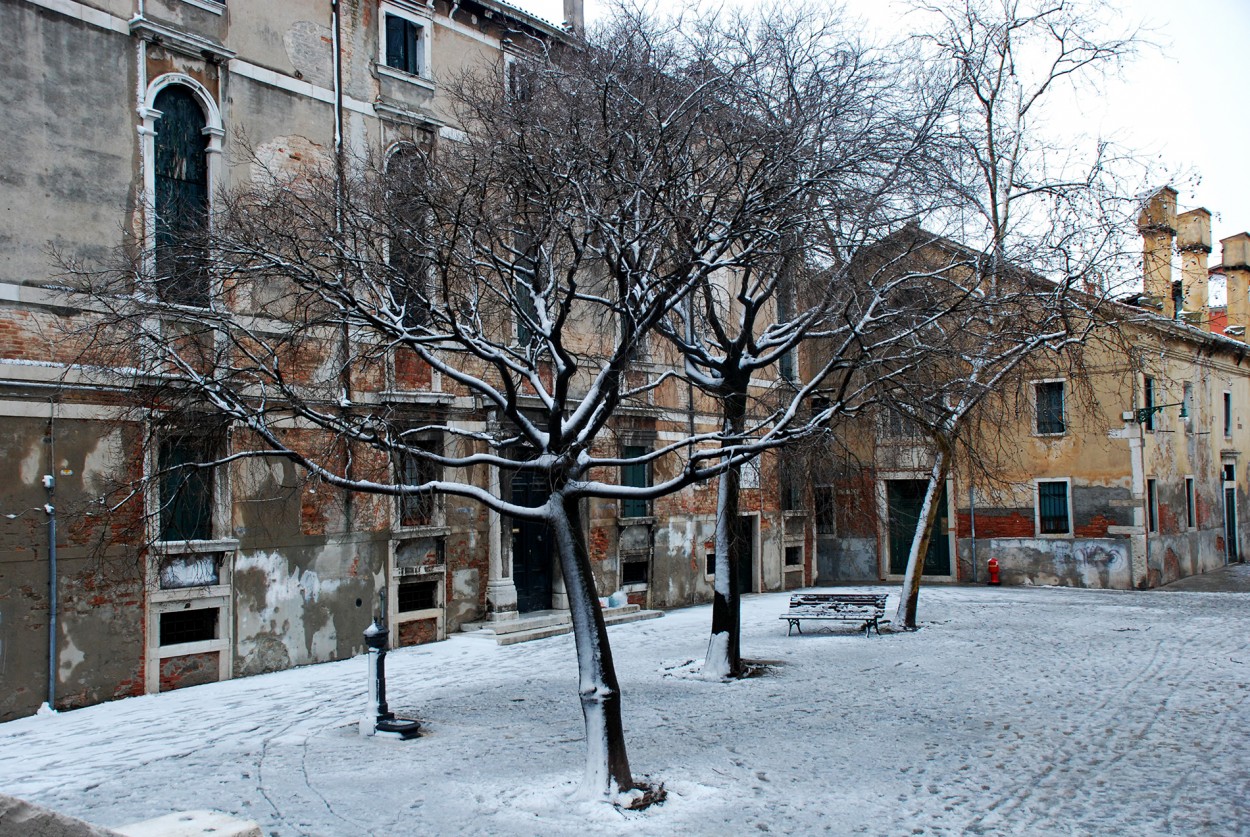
x=417, y=632
x=998, y=523
x=189, y=670
x=1095, y=527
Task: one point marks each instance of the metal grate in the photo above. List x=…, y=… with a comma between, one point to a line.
x=180, y=626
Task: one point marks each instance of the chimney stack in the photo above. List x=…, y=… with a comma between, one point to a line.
x=1236, y=262
x=575, y=16
x=1157, y=224
x=1193, y=239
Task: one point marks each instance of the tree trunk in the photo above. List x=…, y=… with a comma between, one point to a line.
x=724, y=649
x=909, y=596
x=607, y=763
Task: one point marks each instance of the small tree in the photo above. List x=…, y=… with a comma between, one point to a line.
x=821, y=147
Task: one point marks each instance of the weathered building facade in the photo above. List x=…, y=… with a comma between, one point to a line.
x=1126, y=471
x=117, y=110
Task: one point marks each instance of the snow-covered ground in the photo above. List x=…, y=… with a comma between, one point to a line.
x=1021, y=711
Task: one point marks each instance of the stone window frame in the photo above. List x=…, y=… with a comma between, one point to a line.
x=217, y=7
x=1037, y=507
x=159, y=600
x=417, y=15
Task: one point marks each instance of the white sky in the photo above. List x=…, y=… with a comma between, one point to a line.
x=1176, y=104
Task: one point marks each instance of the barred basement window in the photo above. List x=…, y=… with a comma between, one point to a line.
x=794, y=556
x=182, y=626
x=417, y=594
x=633, y=572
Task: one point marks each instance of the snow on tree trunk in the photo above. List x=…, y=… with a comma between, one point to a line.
x=909, y=596
x=724, y=649
x=607, y=763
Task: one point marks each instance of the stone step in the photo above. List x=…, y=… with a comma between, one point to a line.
x=546, y=624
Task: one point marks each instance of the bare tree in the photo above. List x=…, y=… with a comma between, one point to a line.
x=1045, y=222
x=822, y=146
x=592, y=194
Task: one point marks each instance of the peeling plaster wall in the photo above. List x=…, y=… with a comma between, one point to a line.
x=847, y=559
x=678, y=570
x=302, y=605
x=100, y=589
x=66, y=171
x=1097, y=563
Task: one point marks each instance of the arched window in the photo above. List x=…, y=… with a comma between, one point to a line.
x=181, y=197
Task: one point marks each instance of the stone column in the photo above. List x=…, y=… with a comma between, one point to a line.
x=500, y=591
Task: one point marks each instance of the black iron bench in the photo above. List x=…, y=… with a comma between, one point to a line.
x=865, y=608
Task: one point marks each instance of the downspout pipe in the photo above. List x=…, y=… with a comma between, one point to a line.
x=972, y=522
x=49, y=483
x=53, y=661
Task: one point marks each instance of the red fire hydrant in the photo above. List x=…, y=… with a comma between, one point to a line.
x=993, y=567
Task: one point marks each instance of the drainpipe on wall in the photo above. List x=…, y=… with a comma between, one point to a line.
x=49, y=483
x=972, y=522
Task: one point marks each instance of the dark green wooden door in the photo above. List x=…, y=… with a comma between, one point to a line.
x=904, y=498
x=532, y=546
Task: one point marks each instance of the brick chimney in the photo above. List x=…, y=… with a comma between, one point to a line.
x=1236, y=263
x=1157, y=224
x=1193, y=239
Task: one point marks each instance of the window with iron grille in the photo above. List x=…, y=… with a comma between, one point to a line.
x=417, y=594
x=1050, y=407
x=1052, y=508
x=635, y=475
x=181, y=626
x=186, y=487
x=419, y=509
